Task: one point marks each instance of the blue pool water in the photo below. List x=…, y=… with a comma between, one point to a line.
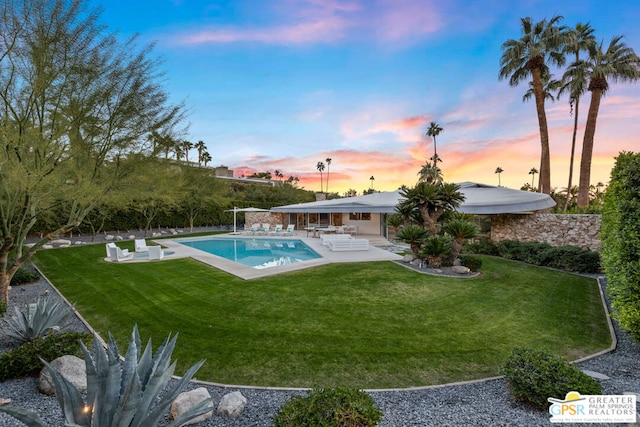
x=256, y=253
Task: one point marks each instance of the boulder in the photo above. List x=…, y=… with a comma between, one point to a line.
x=132, y=236
x=60, y=243
x=460, y=269
x=4, y=401
x=417, y=263
x=119, y=238
x=109, y=237
x=187, y=400
x=70, y=367
x=408, y=258
x=232, y=405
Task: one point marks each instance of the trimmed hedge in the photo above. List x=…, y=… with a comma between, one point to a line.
x=620, y=234
x=535, y=375
x=25, y=359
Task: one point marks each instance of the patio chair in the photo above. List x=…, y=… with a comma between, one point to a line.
x=265, y=228
x=290, y=231
x=117, y=255
x=141, y=245
x=113, y=245
x=156, y=252
x=277, y=230
x=253, y=230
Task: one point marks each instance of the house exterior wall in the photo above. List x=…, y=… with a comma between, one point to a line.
x=555, y=229
x=371, y=226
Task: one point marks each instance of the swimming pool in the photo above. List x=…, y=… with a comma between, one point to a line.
x=256, y=253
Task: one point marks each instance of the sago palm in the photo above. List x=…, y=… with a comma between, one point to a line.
x=413, y=235
x=459, y=230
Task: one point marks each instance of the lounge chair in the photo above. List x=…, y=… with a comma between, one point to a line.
x=116, y=254
x=141, y=245
x=113, y=245
x=156, y=252
x=277, y=230
x=349, y=245
x=265, y=228
x=253, y=230
x=291, y=230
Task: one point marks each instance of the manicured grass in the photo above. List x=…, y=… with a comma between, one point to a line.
x=367, y=325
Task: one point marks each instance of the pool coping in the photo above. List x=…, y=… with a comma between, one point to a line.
x=247, y=273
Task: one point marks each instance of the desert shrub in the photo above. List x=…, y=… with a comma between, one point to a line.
x=535, y=375
x=37, y=320
x=24, y=275
x=25, y=359
x=337, y=407
x=572, y=258
x=529, y=252
x=620, y=233
x=482, y=246
x=471, y=262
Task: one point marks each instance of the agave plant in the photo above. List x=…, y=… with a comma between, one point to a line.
x=130, y=393
x=38, y=320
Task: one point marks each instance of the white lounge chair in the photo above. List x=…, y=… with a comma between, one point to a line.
x=253, y=230
x=276, y=230
x=265, y=228
x=156, y=252
x=327, y=238
x=116, y=254
x=349, y=245
x=141, y=245
x=291, y=230
x=113, y=245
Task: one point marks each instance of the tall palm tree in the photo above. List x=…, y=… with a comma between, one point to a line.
x=529, y=57
x=533, y=173
x=201, y=147
x=186, y=146
x=371, y=178
x=433, y=131
x=618, y=63
x=328, y=160
x=574, y=82
x=499, y=171
x=320, y=167
x=206, y=158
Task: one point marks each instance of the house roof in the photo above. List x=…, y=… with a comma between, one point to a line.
x=479, y=199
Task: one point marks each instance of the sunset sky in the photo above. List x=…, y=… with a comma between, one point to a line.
x=285, y=84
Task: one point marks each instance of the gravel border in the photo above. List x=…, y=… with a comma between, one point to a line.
x=482, y=403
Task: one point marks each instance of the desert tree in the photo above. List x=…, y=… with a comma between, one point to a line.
x=74, y=102
x=320, y=167
x=433, y=131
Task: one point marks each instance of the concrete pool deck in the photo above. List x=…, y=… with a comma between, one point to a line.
x=245, y=272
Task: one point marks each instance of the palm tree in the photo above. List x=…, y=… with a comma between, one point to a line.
x=320, y=167
x=328, y=160
x=459, y=230
x=414, y=235
x=178, y=150
x=201, y=147
x=499, y=170
x=433, y=131
x=528, y=57
x=371, y=178
x=206, y=158
x=186, y=146
x=533, y=173
x=278, y=174
x=432, y=200
x=575, y=82
x=619, y=63
x=430, y=173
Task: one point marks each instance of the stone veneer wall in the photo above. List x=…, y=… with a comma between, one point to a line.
x=554, y=229
x=262, y=218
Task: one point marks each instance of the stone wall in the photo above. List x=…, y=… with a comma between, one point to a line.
x=554, y=229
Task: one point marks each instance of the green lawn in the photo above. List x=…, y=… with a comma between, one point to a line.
x=367, y=325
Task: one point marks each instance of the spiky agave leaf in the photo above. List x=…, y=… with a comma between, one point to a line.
x=130, y=386
x=107, y=382
x=37, y=320
x=69, y=398
x=30, y=418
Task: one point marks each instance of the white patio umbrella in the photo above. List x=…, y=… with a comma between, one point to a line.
x=236, y=210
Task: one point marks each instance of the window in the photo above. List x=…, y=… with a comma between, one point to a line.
x=360, y=216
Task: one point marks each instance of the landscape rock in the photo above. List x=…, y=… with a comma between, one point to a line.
x=460, y=269
x=119, y=238
x=416, y=263
x=60, y=243
x=132, y=236
x=232, y=405
x=4, y=401
x=187, y=400
x=109, y=237
x=70, y=367
x=408, y=258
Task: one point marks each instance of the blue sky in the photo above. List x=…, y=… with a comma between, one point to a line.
x=285, y=84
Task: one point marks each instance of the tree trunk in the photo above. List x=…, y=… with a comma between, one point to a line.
x=545, y=158
x=573, y=152
x=587, y=148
